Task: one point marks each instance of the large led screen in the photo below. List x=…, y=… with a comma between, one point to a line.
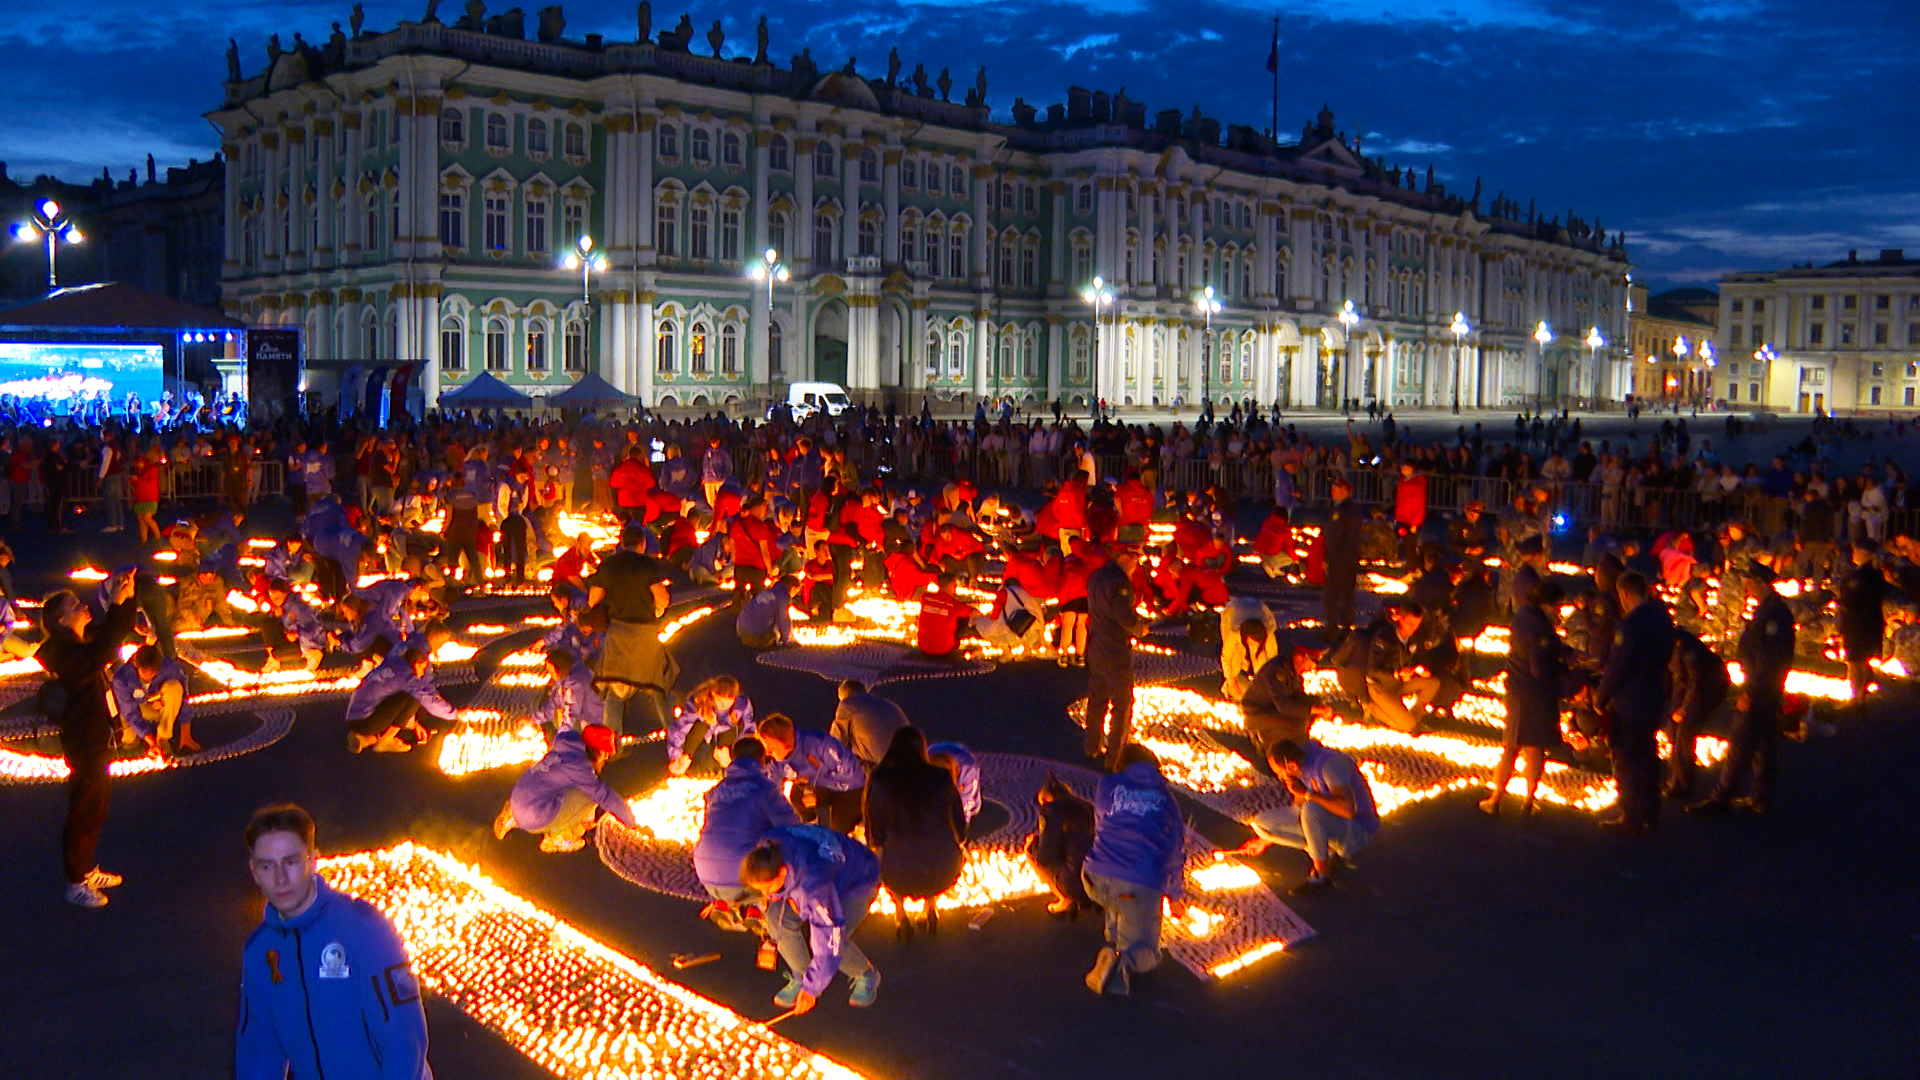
x=61, y=375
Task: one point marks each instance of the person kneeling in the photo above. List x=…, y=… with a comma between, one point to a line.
x=1138, y=857
x=1332, y=813
x=558, y=796
x=384, y=710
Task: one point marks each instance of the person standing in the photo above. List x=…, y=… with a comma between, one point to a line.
x=1112, y=624
x=637, y=670
x=1765, y=653
x=76, y=655
x=1340, y=552
x=1633, y=692
x=1537, y=671
x=1862, y=620
x=326, y=986
x=1700, y=685
x=819, y=886
x=1138, y=857
x=916, y=822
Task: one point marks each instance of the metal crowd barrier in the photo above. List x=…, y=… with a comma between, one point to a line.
x=204, y=481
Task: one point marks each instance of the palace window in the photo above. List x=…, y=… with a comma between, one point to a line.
x=823, y=160
x=536, y=346
x=497, y=345
x=453, y=231
x=823, y=231
x=536, y=226
x=372, y=239
x=666, y=142
x=933, y=178
x=956, y=354
x=1079, y=362
x=909, y=174
x=666, y=345
x=956, y=254
x=730, y=149
x=1083, y=199
x=779, y=159
x=730, y=350
x=697, y=349
x=498, y=139
x=699, y=232
x=665, y=219
x=494, y=222
x=573, y=221
x=777, y=231
x=957, y=181
x=867, y=236
x=453, y=127
x=453, y=344
x=869, y=167
x=576, y=142
x=700, y=145
x=537, y=146
x=576, y=345
x=729, y=235
x=1030, y=267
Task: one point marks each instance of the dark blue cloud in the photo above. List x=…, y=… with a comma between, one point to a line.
x=1721, y=135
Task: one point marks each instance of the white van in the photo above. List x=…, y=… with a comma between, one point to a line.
x=807, y=398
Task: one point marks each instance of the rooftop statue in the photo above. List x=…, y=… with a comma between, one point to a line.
x=644, y=16
x=274, y=51
x=716, y=37
x=760, y=41
x=945, y=83
x=893, y=66
x=475, y=17
x=920, y=81
x=233, y=60
x=851, y=70
x=553, y=22
x=358, y=18
x=680, y=38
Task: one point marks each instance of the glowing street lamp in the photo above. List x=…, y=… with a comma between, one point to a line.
x=1544, y=335
x=1209, y=307
x=1594, y=344
x=1349, y=318
x=1682, y=348
x=49, y=224
x=1099, y=296
x=1459, y=329
x=583, y=259
x=769, y=269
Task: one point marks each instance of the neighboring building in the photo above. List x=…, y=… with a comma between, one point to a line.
x=1840, y=338
x=1675, y=358
x=412, y=208
x=161, y=235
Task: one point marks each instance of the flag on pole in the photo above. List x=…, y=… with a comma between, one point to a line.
x=1273, y=54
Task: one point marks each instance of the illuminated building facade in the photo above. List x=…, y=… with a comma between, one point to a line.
x=1838, y=338
x=405, y=196
x=1674, y=348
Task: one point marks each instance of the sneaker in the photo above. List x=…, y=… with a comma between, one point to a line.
x=866, y=989
x=81, y=894
x=1110, y=975
x=554, y=845
x=1314, y=883
x=789, y=994
x=503, y=823
x=100, y=879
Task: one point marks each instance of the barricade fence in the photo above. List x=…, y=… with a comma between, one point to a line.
x=178, y=483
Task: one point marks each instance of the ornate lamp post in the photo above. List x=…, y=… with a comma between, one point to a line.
x=1594, y=344
x=1099, y=296
x=770, y=270
x=1682, y=348
x=1459, y=329
x=1349, y=318
x=1209, y=307
x=583, y=259
x=1544, y=335
x=48, y=223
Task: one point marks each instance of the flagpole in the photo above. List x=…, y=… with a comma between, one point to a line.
x=1276, y=78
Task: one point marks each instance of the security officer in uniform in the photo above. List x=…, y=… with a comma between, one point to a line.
x=1340, y=547
x=1112, y=624
x=1633, y=693
x=1765, y=653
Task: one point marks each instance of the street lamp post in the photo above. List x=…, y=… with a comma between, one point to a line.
x=1099, y=296
x=1594, y=344
x=770, y=270
x=49, y=224
x=1681, y=348
x=1349, y=318
x=583, y=259
x=1544, y=335
x=1459, y=329
x=1209, y=307
x=1705, y=352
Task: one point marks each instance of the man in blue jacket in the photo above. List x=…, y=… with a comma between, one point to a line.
x=326, y=989
x=1138, y=856
x=829, y=781
x=819, y=885
x=741, y=810
x=557, y=796
x=383, y=712
x=1633, y=693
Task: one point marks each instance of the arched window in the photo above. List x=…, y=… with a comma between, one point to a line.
x=1006, y=261
x=666, y=220
x=933, y=178
x=453, y=127
x=1030, y=355
x=933, y=353
x=537, y=145
x=823, y=237
x=453, y=344
x=1006, y=198
x=537, y=345
x=823, y=159
x=697, y=362
x=576, y=347
x=497, y=345
x=909, y=242
x=1223, y=348
x=497, y=137
x=1126, y=357
x=957, y=253
x=576, y=145
x=909, y=174
x=700, y=231
x=666, y=141
x=777, y=231
x=730, y=349
x=869, y=167
x=778, y=156
x=1246, y=361
x=701, y=145
x=868, y=236
x=956, y=353
x=666, y=347
x=730, y=149
x=1081, y=352
x=956, y=181
x=1005, y=369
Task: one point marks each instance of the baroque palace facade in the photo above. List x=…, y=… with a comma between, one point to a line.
x=406, y=197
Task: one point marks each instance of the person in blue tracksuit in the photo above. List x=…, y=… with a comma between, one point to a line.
x=294, y=624
x=383, y=712
x=829, y=782
x=715, y=714
x=289, y=560
x=957, y=759
x=1138, y=856
x=150, y=692
x=326, y=989
x=819, y=886
x=571, y=703
x=741, y=810
x=558, y=795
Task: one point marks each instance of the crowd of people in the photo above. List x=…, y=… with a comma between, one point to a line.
x=1606, y=658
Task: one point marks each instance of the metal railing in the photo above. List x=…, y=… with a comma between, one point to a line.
x=177, y=484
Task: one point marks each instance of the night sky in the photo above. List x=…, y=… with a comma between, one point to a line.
x=1721, y=135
